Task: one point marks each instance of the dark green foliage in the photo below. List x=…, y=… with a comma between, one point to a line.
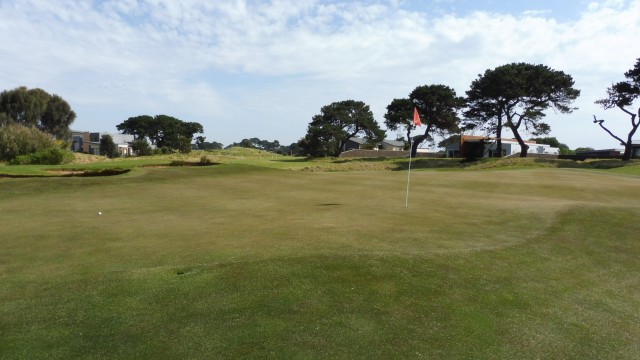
x=552, y=141
x=438, y=106
x=338, y=122
x=517, y=95
x=162, y=131
x=107, y=147
x=50, y=156
x=205, y=145
x=266, y=145
x=399, y=116
x=16, y=140
x=35, y=107
x=622, y=95
x=141, y=147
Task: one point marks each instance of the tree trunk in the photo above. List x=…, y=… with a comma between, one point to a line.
x=499, y=137
x=627, y=152
x=523, y=147
x=416, y=142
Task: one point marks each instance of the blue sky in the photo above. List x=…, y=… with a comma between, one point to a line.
x=263, y=68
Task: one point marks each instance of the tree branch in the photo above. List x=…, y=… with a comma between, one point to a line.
x=599, y=122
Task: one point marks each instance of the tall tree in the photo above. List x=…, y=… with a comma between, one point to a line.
x=399, y=116
x=57, y=118
x=138, y=126
x=438, y=106
x=35, y=107
x=162, y=131
x=622, y=95
x=337, y=122
x=516, y=95
x=552, y=141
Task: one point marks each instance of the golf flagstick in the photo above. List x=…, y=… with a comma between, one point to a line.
x=416, y=122
x=406, y=202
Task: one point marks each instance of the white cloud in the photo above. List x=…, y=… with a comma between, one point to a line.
x=278, y=62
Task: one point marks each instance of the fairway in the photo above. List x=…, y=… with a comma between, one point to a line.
x=242, y=261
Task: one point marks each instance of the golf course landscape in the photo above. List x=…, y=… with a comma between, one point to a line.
x=266, y=256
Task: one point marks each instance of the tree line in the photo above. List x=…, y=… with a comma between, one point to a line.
x=514, y=96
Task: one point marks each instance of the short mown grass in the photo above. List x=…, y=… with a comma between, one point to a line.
x=247, y=260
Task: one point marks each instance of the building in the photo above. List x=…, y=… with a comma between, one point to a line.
x=392, y=145
x=354, y=143
x=481, y=146
x=89, y=142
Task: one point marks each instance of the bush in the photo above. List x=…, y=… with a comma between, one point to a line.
x=16, y=140
x=108, y=148
x=141, y=147
x=51, y=156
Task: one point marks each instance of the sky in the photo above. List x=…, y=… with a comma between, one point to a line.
x=253, y=68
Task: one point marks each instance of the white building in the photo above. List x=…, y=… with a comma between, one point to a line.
x=465, y=145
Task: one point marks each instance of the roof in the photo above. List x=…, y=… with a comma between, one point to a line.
x=394, y=143
x=358, y=140
x=474, y=138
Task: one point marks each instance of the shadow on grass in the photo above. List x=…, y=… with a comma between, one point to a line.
x=294, y=160
x=70, y=173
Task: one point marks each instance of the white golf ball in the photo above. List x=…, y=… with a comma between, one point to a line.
x=99, y=212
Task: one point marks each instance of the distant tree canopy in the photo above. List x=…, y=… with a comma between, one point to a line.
x=552, y=141
x=202, y=144
x=266, y=145
x=516, y=95
x=162, y=131
x=337, y=122
x=37, y=108
x=622, y=95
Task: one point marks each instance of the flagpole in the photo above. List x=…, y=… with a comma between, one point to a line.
x=416, y=122
x=406, y=202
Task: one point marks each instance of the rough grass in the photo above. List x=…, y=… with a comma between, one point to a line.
x=241, y=261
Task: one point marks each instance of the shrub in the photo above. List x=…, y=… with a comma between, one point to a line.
x=107, y=147
x=141, y=147
x=50, y=156
x=16, y=140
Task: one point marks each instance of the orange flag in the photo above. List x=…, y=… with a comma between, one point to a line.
x=416, y=117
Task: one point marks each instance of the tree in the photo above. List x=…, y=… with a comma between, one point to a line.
x=108, y=148
x=516, y=95
x=141, y=147
x=552, y=141
x=205, y=145
x=57, y=118
x=622, y=95
x=35, y=107
x=138, y=126
x=438, y=106
x=399, y=116
x=162, y=131
x=328, y=131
